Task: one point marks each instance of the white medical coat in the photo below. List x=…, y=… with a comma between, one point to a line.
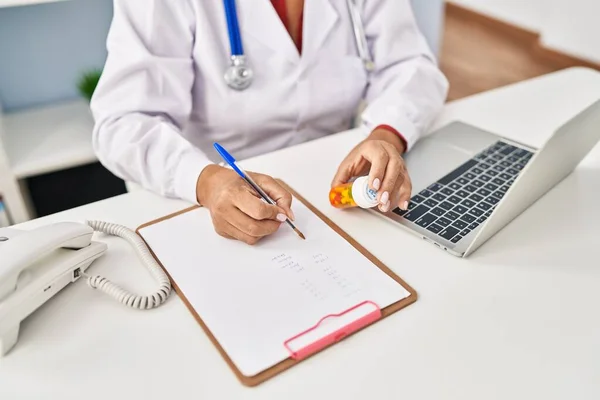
x=162, y=101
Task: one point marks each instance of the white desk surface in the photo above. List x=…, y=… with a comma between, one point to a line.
x=517, y=320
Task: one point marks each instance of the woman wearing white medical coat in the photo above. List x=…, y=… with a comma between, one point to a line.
x=162, y=100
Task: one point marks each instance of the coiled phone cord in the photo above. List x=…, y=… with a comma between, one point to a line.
x=121, y=295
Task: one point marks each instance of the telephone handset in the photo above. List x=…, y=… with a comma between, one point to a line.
x=35, y=265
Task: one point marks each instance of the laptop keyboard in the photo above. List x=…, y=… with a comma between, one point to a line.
x=462, y=200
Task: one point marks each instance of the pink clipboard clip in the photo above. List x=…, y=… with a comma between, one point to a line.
x=336, y=335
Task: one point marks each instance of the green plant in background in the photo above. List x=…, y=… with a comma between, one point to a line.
x=88, y=82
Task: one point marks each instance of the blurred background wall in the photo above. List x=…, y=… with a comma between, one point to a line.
x=44, y=48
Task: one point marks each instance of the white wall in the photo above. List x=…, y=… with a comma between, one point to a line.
x=572, y=26
x=524, y=13
x=569, y=26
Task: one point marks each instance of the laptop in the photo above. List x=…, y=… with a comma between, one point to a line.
x=468, y=183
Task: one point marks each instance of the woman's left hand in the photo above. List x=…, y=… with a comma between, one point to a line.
x=379, y=155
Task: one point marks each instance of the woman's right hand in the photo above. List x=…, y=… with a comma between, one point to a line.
x=237, y=211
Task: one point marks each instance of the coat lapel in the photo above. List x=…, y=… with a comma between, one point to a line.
x=259, y=20
x=320, y=18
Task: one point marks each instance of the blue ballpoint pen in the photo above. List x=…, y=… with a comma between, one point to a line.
x=231, y=161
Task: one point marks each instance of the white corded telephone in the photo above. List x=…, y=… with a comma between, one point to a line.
x=35, y=265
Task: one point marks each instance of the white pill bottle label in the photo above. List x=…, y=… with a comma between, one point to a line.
x=364, y=196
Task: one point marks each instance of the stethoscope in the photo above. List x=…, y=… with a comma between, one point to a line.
x=239, y=75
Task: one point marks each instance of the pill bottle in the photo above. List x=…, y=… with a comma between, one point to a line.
x=353, y=194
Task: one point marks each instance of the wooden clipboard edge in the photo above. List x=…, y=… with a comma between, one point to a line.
x=252, y=381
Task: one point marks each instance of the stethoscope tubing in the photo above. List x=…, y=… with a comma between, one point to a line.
x=235, y=37
x=359, y=34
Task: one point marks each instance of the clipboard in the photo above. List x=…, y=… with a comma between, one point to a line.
x=298, y=355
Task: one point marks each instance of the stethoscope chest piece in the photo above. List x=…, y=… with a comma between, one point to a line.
x=238, y=76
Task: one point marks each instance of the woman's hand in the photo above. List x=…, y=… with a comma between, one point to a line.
x=380, y=156
x=237, y=211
